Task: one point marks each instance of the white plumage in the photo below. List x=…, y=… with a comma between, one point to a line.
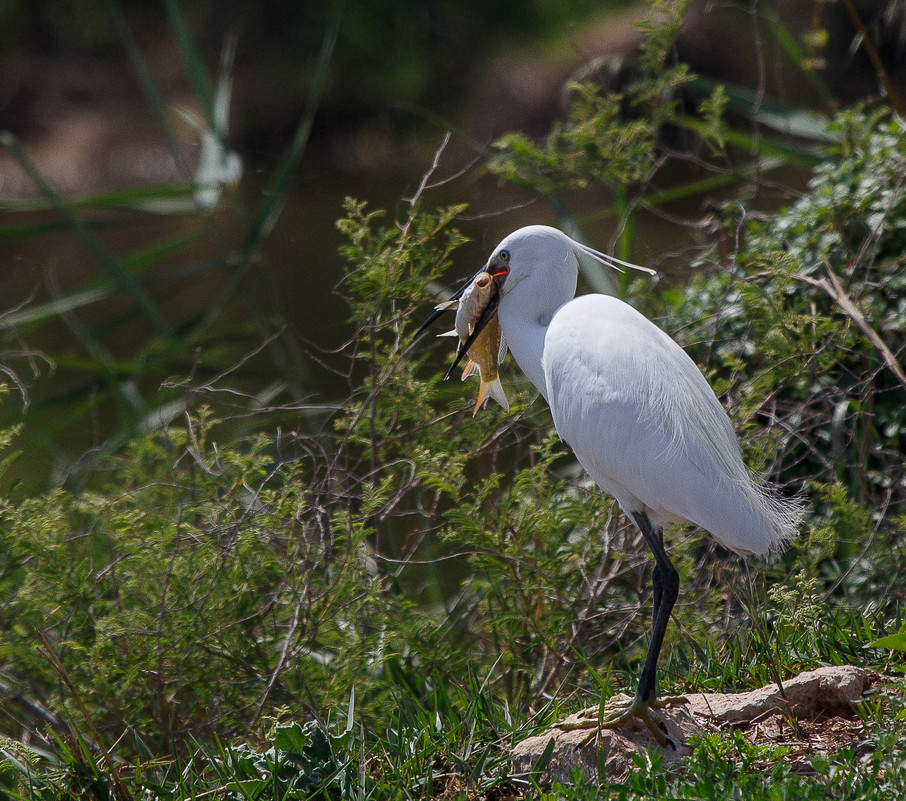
x=640, y=417
x=636, y=410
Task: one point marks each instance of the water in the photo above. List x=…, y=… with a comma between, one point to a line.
x=72, y=409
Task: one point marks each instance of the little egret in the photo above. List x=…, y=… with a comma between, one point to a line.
x=640, y=417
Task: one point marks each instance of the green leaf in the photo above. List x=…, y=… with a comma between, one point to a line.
x=893, y=642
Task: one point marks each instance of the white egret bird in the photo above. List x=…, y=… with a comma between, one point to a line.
x=640, y=417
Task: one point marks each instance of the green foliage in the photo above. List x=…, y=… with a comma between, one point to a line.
x=202, y=583
x=598, y=146
x=303, y=761
x=204, y=588
x=712, y=111
x=780, y=315
x=611, y=138
x=802, y=331
x=184, y=585
x=459, y=751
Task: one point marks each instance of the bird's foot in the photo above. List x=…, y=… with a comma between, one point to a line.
x=621, y=708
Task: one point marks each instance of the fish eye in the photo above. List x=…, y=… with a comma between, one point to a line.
x=504, y=255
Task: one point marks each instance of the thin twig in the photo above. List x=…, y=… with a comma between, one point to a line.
x=281, y=661
x=431, y=170
x=876, y=62
x=831, y=285
x=119, y=789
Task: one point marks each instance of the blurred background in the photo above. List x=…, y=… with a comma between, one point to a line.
x=171, y=172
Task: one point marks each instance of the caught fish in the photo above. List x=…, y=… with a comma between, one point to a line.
x=489, y=348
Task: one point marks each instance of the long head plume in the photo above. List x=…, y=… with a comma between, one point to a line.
x=608, y=261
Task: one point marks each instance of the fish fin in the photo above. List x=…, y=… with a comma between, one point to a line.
x=449, y=333
x=470, y=369
x=482, y=397
x=447, y=304
x=501, y=354
x=491, y=389
x=495, y=390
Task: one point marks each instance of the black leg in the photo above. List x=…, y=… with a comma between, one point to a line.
x=620, y=709
x=657, y=595
x=666, y=590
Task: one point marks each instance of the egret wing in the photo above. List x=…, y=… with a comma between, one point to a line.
x=646, y=425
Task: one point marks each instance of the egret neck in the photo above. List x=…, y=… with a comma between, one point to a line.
x=529, y=300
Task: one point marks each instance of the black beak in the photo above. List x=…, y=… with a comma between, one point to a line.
x=439, y=312
x=499, y=274
x=489, y=311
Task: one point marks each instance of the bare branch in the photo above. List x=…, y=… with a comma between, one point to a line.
x=831, y=285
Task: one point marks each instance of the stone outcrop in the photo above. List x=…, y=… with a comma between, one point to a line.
x=828, y=692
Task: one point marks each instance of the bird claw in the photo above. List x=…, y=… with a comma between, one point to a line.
x=620, y=709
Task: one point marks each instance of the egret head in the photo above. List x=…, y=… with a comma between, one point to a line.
x=535, y=270
x=548, y=259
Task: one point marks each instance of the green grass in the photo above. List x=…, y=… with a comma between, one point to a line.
x=454, y=743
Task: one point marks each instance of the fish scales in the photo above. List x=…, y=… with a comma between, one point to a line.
x=489, y=348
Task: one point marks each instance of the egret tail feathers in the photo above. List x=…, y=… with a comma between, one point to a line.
x=782, y=515
x=765, y=520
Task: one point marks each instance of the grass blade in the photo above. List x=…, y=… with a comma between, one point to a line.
x=276, y=191
x=158, y=106
x=790, y=44
x=131, y=197
x=195, y=68
x=126, y=282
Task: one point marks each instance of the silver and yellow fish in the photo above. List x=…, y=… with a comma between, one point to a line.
x=489, y=348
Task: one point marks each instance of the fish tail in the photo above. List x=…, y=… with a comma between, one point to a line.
x=491, y=389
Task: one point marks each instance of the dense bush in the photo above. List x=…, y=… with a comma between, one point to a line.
x=804, y=330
